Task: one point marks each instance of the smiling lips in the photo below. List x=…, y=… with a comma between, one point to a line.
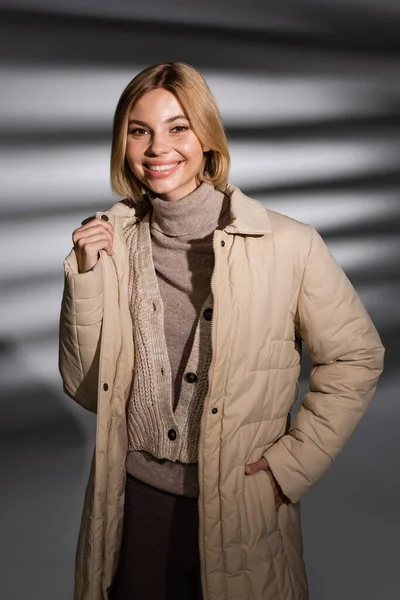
x=159, y=171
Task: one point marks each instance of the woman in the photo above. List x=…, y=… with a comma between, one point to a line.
x=184, y=311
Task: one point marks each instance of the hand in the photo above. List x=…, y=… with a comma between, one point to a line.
x=89, y=239
x=262, y=465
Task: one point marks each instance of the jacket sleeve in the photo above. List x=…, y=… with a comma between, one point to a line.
x=347, y=357
x=80, y=332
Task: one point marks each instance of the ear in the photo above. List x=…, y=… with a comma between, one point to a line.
x=206, y=149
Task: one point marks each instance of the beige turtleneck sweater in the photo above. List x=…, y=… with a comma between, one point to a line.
x=181, y=244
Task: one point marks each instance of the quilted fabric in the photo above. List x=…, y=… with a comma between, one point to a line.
x=275, y=286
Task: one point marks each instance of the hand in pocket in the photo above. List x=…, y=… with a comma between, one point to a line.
x=262, y=465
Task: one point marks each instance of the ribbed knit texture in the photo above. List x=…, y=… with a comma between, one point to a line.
x=168, y=296
x=183, y=256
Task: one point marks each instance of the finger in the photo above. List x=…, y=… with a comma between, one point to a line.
x=90, y=235
x=88, y=219
x=278, y=493
x=92, y=244
x=108, y=248
x=95, y=247
x=92, y=250
x=94, y=224
x=259, y=465
x=92, y=219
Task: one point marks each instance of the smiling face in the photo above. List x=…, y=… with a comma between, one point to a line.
x=162, y=150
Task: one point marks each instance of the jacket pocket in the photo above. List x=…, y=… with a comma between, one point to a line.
x=266, y=498
x=289, y=524
x=290, y=572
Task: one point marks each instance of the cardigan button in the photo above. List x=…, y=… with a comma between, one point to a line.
x=191, y=377
x=222, y=243
x=105, y=387
x=172, y=435
x=104, y=217
x=214, y=411
x=207, y=314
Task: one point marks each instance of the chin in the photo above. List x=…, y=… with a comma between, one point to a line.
x=162, y=187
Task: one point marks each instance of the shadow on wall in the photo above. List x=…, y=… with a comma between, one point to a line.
x=45, y=451
x=332, y=95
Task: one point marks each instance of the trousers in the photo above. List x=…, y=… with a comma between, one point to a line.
x=159, y=557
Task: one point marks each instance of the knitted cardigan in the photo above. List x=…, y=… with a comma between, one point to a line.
x=153, y=426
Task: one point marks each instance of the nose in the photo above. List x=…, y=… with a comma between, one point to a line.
x=159, y=144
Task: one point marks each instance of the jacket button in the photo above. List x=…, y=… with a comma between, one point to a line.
x=172, y=434
x=207, y=314
x=191, y=377
x=104, y=217
x=222, y=243
x=214, y=411
x=105, y=387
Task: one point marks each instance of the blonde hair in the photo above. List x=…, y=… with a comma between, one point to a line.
x=198, y=103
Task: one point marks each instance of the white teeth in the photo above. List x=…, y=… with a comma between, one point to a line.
x=161, y=167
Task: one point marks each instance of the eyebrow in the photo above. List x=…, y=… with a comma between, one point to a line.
x=170, y=120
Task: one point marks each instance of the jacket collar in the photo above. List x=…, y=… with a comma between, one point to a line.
x=248, y=216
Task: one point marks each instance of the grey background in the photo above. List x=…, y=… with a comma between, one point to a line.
x=310, y=95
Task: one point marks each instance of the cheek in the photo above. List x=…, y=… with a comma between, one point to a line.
x=192, y=150
x=132, y=157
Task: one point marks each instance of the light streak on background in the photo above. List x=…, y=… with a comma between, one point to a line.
x=36, y=99
x=74, y=172
x=310, y=97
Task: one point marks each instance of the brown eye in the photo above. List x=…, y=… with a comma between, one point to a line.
x=137, y=131
x=180, y=128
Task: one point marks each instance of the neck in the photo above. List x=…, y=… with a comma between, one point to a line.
x=190, y=214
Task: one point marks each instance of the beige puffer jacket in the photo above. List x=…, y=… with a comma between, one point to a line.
x=275, y=283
